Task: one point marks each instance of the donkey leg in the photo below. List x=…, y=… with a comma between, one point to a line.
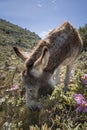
x=67, y=77
x=56, y=76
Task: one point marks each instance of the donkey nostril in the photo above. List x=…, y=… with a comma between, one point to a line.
x=31, y=91
x=35, y=108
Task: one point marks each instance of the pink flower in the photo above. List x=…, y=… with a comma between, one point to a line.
x=14, y=88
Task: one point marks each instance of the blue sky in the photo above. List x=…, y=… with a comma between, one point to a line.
x=41, y=16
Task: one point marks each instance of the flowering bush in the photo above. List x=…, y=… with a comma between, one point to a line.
x=59, y=110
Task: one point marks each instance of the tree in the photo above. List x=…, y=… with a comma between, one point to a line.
x=83, y=32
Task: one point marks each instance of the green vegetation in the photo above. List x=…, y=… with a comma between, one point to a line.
x=83, y=32
x=59, y=112
x=11, y=34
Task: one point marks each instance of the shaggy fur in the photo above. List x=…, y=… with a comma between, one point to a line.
x=61, y=47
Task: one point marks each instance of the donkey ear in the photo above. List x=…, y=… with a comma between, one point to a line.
x=19, y=54
x=41, y=62
x=44, y=57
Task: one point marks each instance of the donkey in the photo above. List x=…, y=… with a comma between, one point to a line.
x=61, y=47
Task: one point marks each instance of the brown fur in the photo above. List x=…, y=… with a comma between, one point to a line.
x=58, y=53
x=61, y=47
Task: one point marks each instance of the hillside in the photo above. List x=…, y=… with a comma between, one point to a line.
x=60, y=110
x=11, y=34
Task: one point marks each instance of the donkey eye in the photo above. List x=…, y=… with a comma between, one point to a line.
x=24, y=73
x=30, y=90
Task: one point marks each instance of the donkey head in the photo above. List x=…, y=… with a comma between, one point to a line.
x=37, y=82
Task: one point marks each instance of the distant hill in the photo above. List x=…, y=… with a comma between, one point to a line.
x=11, y=34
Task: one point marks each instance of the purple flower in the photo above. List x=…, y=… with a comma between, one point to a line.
x=84, y=79
x=78, y=98
x=83, y=106
x=14, y=88
x=81, y=102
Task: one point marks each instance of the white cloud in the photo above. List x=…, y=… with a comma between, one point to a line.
x=39, y=5
x=53, y=1
x=44, y=33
